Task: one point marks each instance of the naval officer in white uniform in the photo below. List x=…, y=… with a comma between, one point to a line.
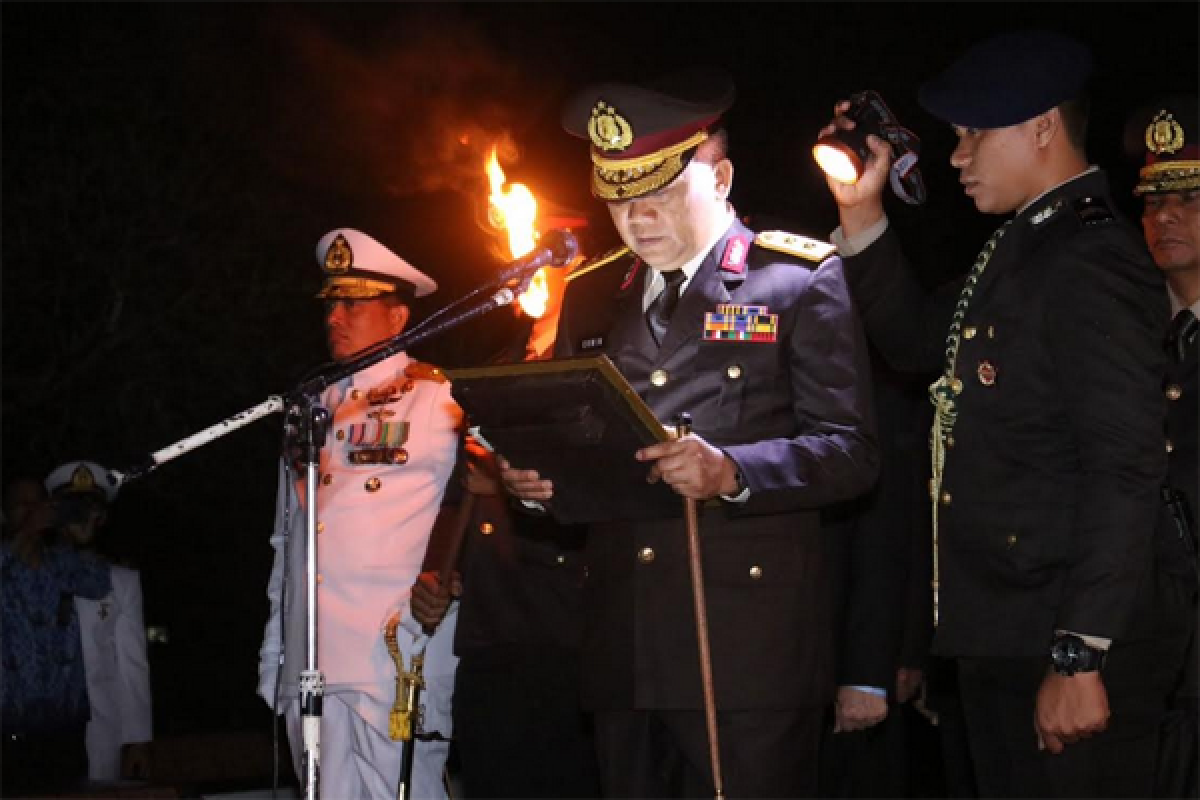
x=112, y=634
x=389, y=452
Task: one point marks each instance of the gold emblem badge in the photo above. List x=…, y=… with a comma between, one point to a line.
x=608, y=130
x=82, y=479
x=339, y=257
x=1164, y=134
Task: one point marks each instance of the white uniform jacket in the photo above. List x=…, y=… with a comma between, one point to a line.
x=390, y=450
x=118, y=674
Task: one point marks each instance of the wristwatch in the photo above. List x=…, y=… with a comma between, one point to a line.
x=741, y=481
x=1070, y=654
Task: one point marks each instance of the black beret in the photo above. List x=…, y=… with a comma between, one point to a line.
x=643, y=136
x=1008, y=79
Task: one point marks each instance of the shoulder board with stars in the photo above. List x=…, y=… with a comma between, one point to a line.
x=420, y=371
x=795, y=245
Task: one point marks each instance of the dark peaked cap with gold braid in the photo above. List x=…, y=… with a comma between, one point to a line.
x=1166, y=137
x=644, y=136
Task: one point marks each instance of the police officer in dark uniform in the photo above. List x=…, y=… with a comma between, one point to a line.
x=1046, y=445
x=1166, y=138
x=519, y=730
x=754, y=335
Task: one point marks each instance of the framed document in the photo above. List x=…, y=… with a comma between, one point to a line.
x=578, y=422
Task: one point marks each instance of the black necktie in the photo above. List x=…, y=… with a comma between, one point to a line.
x=1181, y=334
x=658, y=315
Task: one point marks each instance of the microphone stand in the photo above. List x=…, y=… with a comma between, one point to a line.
x=306, y=424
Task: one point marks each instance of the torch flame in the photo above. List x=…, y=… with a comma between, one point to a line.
x=514, y=210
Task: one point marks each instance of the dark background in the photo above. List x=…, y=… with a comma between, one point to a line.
x=168, y=170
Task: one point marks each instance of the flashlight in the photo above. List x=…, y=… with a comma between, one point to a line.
x=843, y=154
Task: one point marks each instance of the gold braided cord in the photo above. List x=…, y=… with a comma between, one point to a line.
x=1169, y=176
x=1169, y=168
x=597, y=262
x=943, y=393
x=404, y=715
x=354, y=288
x=615, y=187
x=650, y=160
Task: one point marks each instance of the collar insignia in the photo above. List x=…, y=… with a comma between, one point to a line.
x=1046, y=213
x=734, y=259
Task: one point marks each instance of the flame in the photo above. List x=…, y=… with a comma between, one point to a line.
x=514, y=210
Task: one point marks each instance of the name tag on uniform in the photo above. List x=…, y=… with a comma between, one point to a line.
x=591, y=343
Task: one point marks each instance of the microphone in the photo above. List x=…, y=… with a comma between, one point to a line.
x=555, y=248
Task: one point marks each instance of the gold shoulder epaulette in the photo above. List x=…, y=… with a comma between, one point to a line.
x=597, y=262
x=420, y=371
x=795, y=245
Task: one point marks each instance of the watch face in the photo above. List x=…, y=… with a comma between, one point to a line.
x=1070, y=655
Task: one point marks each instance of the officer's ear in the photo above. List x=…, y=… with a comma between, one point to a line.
x=723, y=173
x=398, y=314
x=1046, y=126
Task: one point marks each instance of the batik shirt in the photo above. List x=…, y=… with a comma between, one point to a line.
x=44, y=689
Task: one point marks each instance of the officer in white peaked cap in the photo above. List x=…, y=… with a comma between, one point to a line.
x=81, y=477
x=393, y=439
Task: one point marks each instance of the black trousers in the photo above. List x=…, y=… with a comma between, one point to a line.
x=42, y=764
x=1178, y=772
x=665, y=753
x=998, y=701
x=518, y=727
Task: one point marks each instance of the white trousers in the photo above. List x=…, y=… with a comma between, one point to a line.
x=360, y=762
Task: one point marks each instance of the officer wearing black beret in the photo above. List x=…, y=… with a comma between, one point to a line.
x=754, y=335
x=1164, y=137
x=1046, y=440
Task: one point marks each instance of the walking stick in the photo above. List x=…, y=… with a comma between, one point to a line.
x=684, y=427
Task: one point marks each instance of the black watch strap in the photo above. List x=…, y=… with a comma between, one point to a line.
x=1071, y=654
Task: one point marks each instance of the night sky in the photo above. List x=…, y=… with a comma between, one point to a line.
x=169, y=168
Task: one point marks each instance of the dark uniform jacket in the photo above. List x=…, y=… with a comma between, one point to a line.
x=1182, y=395
x=1052, y=476
x=522, y=574
x=794, y=413
x=1176, y=547
x=883, y=597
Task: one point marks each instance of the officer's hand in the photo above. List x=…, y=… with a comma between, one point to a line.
x=691, y=466
x=860, y=204
x=483, y=476
x=135, y=761
x=856, y=710
x=431, y=600
x=1069, y=709
x=524, y=484
x=908, y=681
